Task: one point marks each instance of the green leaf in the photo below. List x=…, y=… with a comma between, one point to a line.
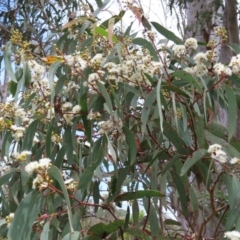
x=8, y=63
x=48, y=144
x=104, y=33
x=234, y=47
x=232, y=111
x=147, y=108
x=6, y=144
x=68, y=144
x=5, y=178
x=72, y=236
x=187, y=77
x=199, y=129
x=26, y=74
x=105, y=94
x=45, y=231
x=146, y=44
x=138, y=194
x=29, y=135
x=181, y=191
x=175, y=139
x=232, y=217
x=138, y=233
x=127, y=218
x=171, y=163
x=197, y=155
x=166, y=33
x=159, y=104
x=132, y=149
x=99, y=3
x=86, y=176
x=103, y=230
x=51, y=77
x=172, y=222
x=54, y=173
x=25, y=215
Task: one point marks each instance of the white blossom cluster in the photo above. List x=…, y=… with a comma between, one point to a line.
x=69, y=112
x=112, y=127
x=235, y=64
x=75, y=62
x=218, y=154
x=18, y=132
x=42, y=180
x=22, y=156
x=131, y=70
x=233, y=235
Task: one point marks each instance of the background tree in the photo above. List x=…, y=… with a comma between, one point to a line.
x=98, y=111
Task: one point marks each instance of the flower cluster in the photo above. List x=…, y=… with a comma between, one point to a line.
x=70, y=111
x=22, y=156
x=218, y=154
x=233, y=235
x=42, y=179
x=112, y=127
x=9, y=218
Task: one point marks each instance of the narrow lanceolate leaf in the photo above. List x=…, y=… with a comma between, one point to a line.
x=187, y=77
x=72, y=236
x=4, y=179
x=132, y=149
x=48, y=144
x=8, y=63
x=110, y=31
x=87, y=175
x=166, y=33
x=138, y=194
x=147, y=108
x=159, y=104
x=103, y=230
x=25, y=215
x=234, y=47
x=144, y=43
x=45, y=231
x=141, y=234
x=29, y=135
x=200, y=153
x=232, y=111
x=181, y=191
x=105, y=94
x=56, y=174
x=51, y=76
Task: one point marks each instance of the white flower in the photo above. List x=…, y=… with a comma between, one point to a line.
x=200, y=57
x=214, y=147
x=217, y=153
x=20, y=113
x=220, y=69
x=31, y=167
x=45, y=162
x=233, y=235
x=23, y=155
x=97, y=59
x=68, y=181
x=67, y=106
x=93, y=77
x=179, y=50
x=189, y=70
x=191, y=43
x=37, y=181
x=76, y=109
x=234, y=160
x=200, y=69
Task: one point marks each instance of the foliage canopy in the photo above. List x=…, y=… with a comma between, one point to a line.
x=107, y=123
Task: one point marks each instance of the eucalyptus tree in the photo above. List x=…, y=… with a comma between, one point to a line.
x=103, y=125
